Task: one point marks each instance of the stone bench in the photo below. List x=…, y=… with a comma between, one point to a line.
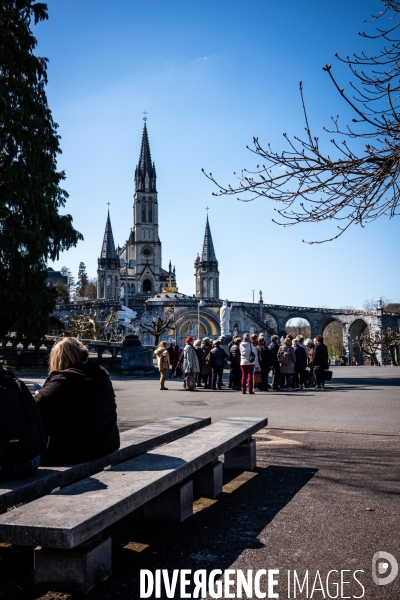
x=65, y=524
x=133, y=442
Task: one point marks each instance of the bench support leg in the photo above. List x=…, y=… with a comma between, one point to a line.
x=175, y=504
x=208, y=481
x=79, y=569
x=243, y=456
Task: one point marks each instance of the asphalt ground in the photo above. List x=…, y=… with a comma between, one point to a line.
x=318, y=501
x=358, y=399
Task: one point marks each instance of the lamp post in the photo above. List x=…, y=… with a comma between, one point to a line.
x=349, y=349
x=201, y=303
x=253, y=295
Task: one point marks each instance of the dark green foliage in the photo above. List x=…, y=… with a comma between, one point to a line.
x=83, y=280
x=31, y=228
x=62, y=291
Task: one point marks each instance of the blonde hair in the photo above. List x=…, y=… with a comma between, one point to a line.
x=162, y=344
x=66, y=353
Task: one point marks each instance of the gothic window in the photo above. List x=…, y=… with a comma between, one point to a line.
x=108, y=281
x=144, y=212
x=211, y=288
x=204, y=286
x=150, y=211
x=146, y=286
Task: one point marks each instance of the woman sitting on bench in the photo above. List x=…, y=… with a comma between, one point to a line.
x=77, y=404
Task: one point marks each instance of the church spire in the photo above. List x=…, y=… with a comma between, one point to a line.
x=208, y=253
x=145, y=174
x=108, y=247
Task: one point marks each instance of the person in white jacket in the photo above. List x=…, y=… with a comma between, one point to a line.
x=248, y=362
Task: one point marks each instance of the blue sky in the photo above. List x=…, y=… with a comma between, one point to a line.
x=211, y=75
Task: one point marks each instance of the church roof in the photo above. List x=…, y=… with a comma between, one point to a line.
x=108, y=247
x=208, y=253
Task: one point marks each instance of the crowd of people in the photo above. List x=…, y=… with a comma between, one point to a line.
x=297, y=363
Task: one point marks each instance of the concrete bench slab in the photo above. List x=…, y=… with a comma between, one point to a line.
x=133, y=442
x=73, y=515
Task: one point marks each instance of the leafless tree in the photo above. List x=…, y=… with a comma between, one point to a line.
x=158, y=326
x=351, y=187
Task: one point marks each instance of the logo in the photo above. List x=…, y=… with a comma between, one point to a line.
x=384, y=564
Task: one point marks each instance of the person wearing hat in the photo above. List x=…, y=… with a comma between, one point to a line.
x=190, y=361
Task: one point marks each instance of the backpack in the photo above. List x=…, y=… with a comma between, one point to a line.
x=284, y=359
x=22, y=435
x=209, y=359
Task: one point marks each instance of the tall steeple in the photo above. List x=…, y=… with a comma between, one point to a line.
x=206, y=269
x=108, y=247
x=208, y=253
x=108, y=269
x=145, y=174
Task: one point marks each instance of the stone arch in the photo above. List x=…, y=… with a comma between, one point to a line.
x=294, y=329
x=357, y=327
x=331, y=329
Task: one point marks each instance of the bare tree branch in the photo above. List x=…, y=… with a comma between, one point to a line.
x=354, y=188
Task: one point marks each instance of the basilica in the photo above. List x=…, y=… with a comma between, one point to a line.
x=134, y=272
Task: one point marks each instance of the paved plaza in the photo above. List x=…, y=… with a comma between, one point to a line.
x=359, y=399
x=324, y=495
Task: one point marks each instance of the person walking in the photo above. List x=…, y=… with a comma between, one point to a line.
x=218, y=357
x=206, y=372
x=301, y=364
x=274, y=347
x=320, y=360
x=265, y=360
x=190, y=361
x=287, y=360
x=197, y=347
x=248, y=361
x=234, y=359
x=162, y=355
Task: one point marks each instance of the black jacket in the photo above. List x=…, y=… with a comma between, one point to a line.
x=265, y=357
x=79, y=414
x=274, y=347
x=218, y=357
x=234, y=355
x=320, y=358
x=301, y=358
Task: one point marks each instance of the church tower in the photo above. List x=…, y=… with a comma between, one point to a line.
x=142, y=251
x=108, y=270
x=206, y=269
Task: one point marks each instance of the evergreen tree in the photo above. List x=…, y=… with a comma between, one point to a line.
x=71, y=281
x=83, y=280
x=31, y=228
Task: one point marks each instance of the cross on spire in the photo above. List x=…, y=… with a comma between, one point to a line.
x=207, y=209
x=145, y=116
x=108, y=204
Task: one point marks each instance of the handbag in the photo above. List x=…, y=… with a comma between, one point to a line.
x=189, y=382
x=327, y=375
x=257, y=377
x=252, y=356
